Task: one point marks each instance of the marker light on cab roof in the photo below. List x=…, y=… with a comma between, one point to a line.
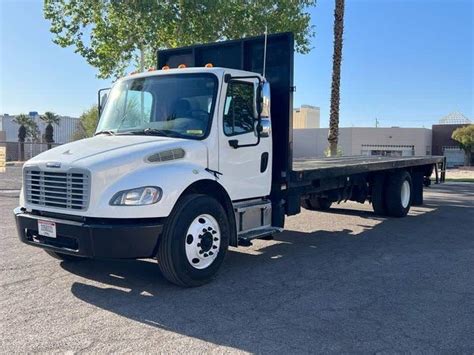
x=165, y=67
x=208, y=65
x=181, y=66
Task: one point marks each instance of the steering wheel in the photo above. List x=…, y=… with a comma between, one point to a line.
x=199, y=112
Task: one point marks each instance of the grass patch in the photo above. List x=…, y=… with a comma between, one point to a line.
x=457, y=179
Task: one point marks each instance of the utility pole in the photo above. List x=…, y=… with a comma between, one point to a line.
x=376, y=122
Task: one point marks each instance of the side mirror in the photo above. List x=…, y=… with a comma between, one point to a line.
x=262, y=100
x=265, y=99
x=265, y=127
x=102, y=99
x=263, y=124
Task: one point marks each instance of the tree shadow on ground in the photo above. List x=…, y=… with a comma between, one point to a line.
x=387, y=288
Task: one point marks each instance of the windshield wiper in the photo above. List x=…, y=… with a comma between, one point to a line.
x=158, y=132
x=108, y=132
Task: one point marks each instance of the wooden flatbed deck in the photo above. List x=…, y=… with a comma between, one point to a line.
x=318, y=168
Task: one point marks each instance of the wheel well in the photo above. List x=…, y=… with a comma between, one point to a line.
x=214, y=189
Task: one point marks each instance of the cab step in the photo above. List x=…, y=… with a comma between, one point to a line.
x=245, y=239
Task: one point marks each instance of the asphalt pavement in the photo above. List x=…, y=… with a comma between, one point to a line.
x=344, y=281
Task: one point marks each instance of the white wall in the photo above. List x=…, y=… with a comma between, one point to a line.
x=312, y=142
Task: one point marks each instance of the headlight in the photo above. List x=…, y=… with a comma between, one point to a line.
x=146, y=195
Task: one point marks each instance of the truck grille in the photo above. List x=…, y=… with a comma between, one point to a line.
x=69, y=190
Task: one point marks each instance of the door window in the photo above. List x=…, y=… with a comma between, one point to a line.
x=238, y=109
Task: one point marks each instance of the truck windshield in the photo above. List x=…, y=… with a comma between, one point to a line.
x=170, y=105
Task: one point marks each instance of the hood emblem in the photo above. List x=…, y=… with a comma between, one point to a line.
x=53, y=164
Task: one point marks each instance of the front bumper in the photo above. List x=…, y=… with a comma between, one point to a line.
x=93, y=237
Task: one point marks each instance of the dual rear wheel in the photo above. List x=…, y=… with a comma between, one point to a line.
x=392, y=194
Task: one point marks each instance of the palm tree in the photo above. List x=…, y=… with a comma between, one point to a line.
x=49, y=118
x=336, y=77
x=25, y=123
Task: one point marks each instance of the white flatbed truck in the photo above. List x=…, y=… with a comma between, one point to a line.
x=195, y=157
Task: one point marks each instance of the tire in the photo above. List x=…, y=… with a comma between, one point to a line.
x=316, y=204
x=399, y=194
x=64, y=257
x=188, y=254
x=378, y=195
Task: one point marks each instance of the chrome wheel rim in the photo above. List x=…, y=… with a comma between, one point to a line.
x=405, y=194
x=202, y=241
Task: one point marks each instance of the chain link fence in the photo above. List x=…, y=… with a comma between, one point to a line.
x=14, y=150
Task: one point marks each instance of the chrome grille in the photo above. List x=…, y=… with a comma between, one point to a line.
x=69, y=190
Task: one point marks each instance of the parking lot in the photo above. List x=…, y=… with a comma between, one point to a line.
x=344, y=281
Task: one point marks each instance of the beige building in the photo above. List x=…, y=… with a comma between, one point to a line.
x=369, y=141
x=306, y=116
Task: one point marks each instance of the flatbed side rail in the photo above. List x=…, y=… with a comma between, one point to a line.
x=312, y=169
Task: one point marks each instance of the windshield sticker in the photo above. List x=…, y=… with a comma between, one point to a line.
x=194, y=131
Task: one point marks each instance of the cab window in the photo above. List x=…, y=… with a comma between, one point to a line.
x=238, y=108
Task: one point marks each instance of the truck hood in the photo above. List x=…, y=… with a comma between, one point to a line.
x=107, y=149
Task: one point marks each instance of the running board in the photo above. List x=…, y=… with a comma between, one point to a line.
x=261, y=233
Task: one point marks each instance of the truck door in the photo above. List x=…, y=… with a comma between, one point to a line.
x=246, y=171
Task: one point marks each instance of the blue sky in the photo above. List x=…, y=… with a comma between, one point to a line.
x=405, y=62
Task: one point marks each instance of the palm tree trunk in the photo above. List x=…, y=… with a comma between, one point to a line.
x=336, y=77
x=22, y=151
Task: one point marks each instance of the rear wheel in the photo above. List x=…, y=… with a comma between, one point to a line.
x=317, y=204
x=399, y=194
x=61, y=256
x=194, y=241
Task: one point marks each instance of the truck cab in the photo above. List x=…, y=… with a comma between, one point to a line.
x=200, y=135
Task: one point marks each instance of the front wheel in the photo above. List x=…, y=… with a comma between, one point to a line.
x=194, y=241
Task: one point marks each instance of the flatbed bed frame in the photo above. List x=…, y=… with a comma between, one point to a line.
x=338, y=177
x=314, y=168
